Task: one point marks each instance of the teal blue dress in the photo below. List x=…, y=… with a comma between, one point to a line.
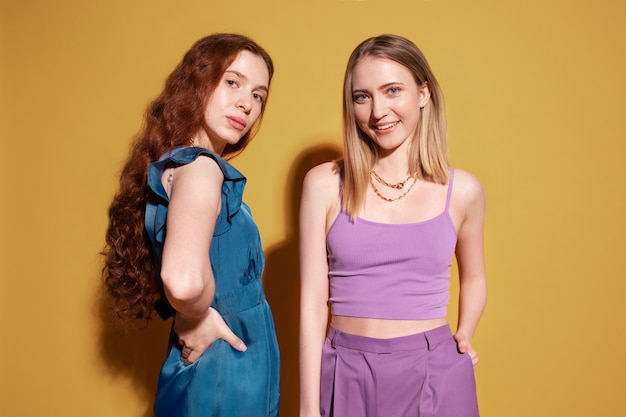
x=223, y=382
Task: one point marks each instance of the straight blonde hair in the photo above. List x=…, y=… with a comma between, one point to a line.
x=428, y=150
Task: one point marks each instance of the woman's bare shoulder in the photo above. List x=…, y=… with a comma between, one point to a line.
x=467, y=189
x=320, y=191
x=323, y=175
x=467, y=182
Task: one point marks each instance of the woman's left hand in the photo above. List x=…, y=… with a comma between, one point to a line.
x=465, y=346
x=196, y=335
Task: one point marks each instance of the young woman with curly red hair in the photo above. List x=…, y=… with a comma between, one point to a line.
x=182, y=243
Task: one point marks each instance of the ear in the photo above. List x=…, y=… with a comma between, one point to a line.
x=424, y=94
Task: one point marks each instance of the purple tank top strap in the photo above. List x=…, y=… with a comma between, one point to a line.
x=450, y=183
x=340, y=189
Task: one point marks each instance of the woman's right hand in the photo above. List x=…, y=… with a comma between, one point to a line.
x=195, y=335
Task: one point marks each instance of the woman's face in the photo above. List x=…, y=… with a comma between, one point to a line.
x=387, y=101
x=236, y=102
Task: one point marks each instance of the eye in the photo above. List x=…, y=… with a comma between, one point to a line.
x=258, y=97
x=360, y=98
x=394, y=90
x=231, y=83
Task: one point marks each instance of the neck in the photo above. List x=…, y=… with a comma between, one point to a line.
x=392, y=168
x=202, y=140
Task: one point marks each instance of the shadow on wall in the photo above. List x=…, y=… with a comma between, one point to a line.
x=282, y=276
x=137, y=354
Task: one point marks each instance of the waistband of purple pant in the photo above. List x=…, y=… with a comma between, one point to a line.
x=425, y=340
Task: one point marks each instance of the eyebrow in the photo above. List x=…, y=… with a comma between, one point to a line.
x=240, y=75
x=382, y=87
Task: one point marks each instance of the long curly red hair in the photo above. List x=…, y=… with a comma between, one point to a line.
x=170, y=121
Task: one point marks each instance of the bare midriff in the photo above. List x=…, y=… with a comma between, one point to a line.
x=384, y=328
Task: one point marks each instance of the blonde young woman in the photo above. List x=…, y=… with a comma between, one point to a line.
x=379, y=229
x=182, y=243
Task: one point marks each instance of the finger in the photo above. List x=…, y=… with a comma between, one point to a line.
x=232, y=339
x=185, y=352
x=193, y=356
x=185, y=359
x=226, y=334
x=474, y=357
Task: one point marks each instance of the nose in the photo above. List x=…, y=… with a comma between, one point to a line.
x=379, y=108
x=244, y=103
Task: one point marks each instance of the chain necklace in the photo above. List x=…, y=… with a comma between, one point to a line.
x=397, y=186
x=400, y=196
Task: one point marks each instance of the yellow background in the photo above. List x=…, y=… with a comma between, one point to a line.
x=536, y=98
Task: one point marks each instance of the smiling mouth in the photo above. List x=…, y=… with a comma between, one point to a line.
x=385, y=126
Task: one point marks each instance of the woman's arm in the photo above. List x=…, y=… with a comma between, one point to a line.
x=195, y=201
x=195, y=197
x=470, y=259
x=314, y=285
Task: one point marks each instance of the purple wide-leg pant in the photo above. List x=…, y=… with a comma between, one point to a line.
x=421, y=375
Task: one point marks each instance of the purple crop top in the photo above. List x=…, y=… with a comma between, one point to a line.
x=391, y=271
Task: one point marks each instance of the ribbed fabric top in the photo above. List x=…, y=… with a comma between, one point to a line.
x=391, y=271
